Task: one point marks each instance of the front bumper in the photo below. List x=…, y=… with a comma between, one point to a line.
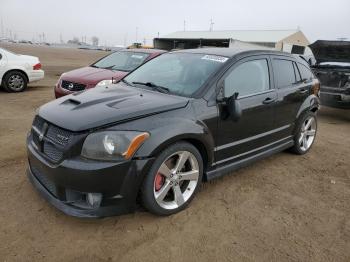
x=335, y=97
x=67, y=184
x=59, y=91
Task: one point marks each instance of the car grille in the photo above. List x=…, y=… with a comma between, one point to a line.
x=54, y=140
x=71, y=86
x=47, y=183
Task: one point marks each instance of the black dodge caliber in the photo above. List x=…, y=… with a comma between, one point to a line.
x=180, y=119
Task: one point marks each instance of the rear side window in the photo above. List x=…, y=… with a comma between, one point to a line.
x=296, y=71
x=305, y=72
x=283, y=72
x=248, y=78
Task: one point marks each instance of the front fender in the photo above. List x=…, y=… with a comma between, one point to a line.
x=310, y=103
x=176, y=129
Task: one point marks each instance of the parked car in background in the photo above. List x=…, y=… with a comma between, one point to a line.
x=112, y=67
x=180, y=119
x=333, y=70
x=16, y=70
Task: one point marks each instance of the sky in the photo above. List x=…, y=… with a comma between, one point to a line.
x=117, y=22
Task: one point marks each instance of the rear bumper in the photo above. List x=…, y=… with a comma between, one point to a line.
x=335, y=97
x=67, y=184
x=36, y=75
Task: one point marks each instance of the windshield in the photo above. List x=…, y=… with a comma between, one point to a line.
x=179, y=73
x=122, y=61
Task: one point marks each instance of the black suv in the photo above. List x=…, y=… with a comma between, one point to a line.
x=180, y=119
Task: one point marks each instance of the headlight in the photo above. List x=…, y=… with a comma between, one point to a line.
x=104, y=83
x=113, y=145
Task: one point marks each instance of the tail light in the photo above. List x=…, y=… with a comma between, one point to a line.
x=37, y=66
x=315, y=90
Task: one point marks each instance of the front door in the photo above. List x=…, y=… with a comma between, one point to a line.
x=251, y=78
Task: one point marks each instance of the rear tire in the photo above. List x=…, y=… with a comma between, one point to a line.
x=305, y=133
x=173, y=180
x=14, y=81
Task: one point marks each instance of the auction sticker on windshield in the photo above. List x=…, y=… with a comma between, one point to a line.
x=137, y=56
x=220, y=59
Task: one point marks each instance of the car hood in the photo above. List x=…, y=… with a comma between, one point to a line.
x=331, y=51
x=92, y=75
x=98, y=107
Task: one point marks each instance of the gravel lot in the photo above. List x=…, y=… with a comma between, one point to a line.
x=284, y=208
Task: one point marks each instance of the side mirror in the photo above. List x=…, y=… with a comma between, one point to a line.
x=234, y=107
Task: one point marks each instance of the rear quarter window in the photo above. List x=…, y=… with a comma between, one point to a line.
x=283, y=72
x=305, y=72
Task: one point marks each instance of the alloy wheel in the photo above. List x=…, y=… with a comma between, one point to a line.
x=176, y=180
x=16, y=82
x=308, y=133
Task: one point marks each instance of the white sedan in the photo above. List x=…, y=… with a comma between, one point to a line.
x=16, y=70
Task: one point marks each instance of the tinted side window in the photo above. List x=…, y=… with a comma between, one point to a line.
x=248, y=78
x=296, y=71
x=283, y=72
x=305, y=72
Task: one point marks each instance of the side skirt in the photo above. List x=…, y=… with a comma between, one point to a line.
x=223, y=170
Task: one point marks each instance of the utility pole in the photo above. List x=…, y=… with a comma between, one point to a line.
x=184, y=25
x=137, y=32
x=2, y=27
x=125, y=39
x=211, y=25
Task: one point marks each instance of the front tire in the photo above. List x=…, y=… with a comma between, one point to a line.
x=173, y=180
x=15, y=81
x=305, y=135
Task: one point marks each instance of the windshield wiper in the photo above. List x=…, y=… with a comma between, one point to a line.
x=158, y=88
x=126, y=82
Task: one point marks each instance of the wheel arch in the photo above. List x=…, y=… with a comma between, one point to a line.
x=16, y=70
x=312, y=103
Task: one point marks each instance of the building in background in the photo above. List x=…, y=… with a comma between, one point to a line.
x=274, y=39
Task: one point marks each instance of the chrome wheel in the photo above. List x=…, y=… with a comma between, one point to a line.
x=176, y=180
x=15, y=82
x=308, y=133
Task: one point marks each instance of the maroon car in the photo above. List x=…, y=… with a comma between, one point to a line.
x=111, y=68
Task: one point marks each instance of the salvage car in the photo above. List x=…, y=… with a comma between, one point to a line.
x=333, y=70
x=16, y=70
x=182, y=118
x=110, y=68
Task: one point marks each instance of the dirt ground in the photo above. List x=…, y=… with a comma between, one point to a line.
x=284, y=208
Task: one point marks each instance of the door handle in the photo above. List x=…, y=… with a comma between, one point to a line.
x=303, y=91
x=269, y=101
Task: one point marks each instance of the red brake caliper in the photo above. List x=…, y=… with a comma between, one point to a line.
x=159, y=181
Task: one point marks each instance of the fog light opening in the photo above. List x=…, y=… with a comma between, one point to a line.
x=94, y=199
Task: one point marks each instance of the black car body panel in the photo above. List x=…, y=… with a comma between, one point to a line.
x=332, y=68
x=266, y=126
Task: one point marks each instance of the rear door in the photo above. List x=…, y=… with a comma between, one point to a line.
x=251, y=78
x=291, y=93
